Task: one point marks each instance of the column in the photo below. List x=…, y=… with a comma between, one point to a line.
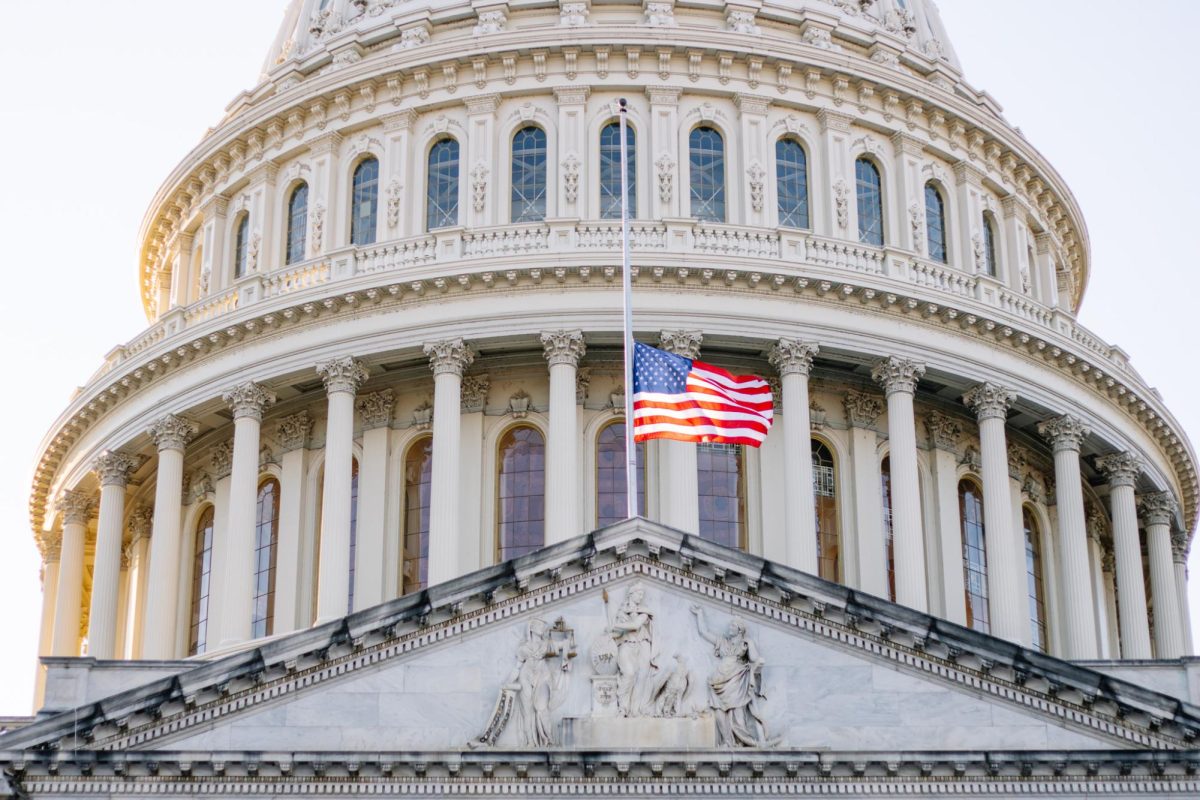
x=680, y=492
x=898, y=377
x=572, y=151
x=960, y=238
x=113, y=469
x=402, y=166
x=752, y=206
x=562, y=349
x=838, y=169
x=1158, y=511
x=171, y=435
x=291, y=434
x=945, y=549
x=448, y=359
x=663, y=154
x=1122, y=470
x=51, y=555
x=478, y=164
x=866, y=554
x=221, y=465
x=123, y=593
x=793, y=361
x=1007, y=590
x=1066, y=434
x=1179, y=553
x=248, y=402
x=75, y=508
x=909, y=188
x=370, y=564
x=342, y=377
x=139, y=568
x=1096, y=564
x=324, y=203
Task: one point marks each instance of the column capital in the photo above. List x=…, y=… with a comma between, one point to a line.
x=141, y=521
x=171, y=432
x=221, y=459
x=1065, y=432
x=944, y=430
x=989, y=401
x=248, y=400
x=51, y=549
x=342, y=375
x=1121, y=469
x=76, y=507
x=1157, y=508
x=793, y=357
x=681, y=343
x=292, y=431
x=451, y=356
x=114, y=467
x=896, y=374
x=1179, y=547
x=862, y=409
x=376, y=409
x=563, y=347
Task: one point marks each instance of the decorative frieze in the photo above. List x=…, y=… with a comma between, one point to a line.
x=376, y=409
x=474, y=393
x=221, y=459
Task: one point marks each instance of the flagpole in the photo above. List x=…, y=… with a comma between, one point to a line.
x=631, y=509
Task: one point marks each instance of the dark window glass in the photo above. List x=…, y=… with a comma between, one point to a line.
x=529, y=175
x=201, y=582
x=418, y=469
x=885, y=473
x=1037, y=588
x=266, y=546
x=364, y=203
x=241, y=246
x=441, y=194
x=989, y=245
x=791, y=178
x=825, y=503
x=722, y=482
x=935, y=223
x=353, y=530
x=706, y=158
x=297, y=223
x=611, y=496
x=970, y=510
x=610, y=171
x=521, y=493
x=869, y=193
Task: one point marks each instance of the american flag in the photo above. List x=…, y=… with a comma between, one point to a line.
x=690, y=401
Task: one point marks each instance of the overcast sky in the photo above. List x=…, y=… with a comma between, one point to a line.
x=98, y=106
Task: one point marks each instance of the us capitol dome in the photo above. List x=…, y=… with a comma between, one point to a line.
x=349, y=513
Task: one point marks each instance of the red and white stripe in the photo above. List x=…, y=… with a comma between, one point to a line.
x=718, y=406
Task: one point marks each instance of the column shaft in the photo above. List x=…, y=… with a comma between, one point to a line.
x=563, y=349
x=106, y=572
x=1185, y=617
x=158, y=637
x=680, y=492
x=1131, y=587
x=46, y=629
x=793, y=360
x=333, y=577
x=369, y=560
x=237, y=605
x=1168, y=628
x=69, y=595
x=448, y=359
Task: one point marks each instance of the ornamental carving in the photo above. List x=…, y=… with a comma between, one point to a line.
x=1064, y=433
x=735, y=685
x=449, y=356
x=252, y=251
x=900, y=21
x=978, y=251
x=491, y=22
x=616, y=400
x=570, y=177
x=820, y=39
x=971, y=460
x=75, y=507
x=757, y=176
x=413, y=37
x=1179, y=547
x=114, y=468
x=916, y=221
x=1158, y=508
x=573, y=15
x=317, y=226
x=816, y=415
x=342, y=374
x=681, y=343
x=172, y=432
x=1018, y=459
x=221, y=459
x=479, y=182
x=841, y=203
x=741, y=21
x=376, y=409
x=1033, y=488
x=474, y=393
x=944, y=431
x=660, y=15
x=196, y=488
x=862, y=409
x=789, y=356
x=898, y=374
x=990, y=401
x=292, y=431
x=1121, y=469
x=666, y=177
x=563, y=347
x=248, y=400
x=394, y=193
x=141, y=523
x=583, y=381
x=519, y=404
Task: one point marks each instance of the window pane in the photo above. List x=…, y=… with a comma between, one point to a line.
x=441, y=195
x=1037, y=588
x=364, y=204
x=521, y=482
x=885, y=473
x=241, y=246
x=989, y=245
x=825, y=503
x=935, y=223
x=266, y=540
x=722, y=485
x=418, y=468
x=706, y=158
x=611, y=497
x=869, y=192
x=610, y=171
x=529, y=175
x=297, y=223
x=201, y=578
x=970, y=509
x=791, y=178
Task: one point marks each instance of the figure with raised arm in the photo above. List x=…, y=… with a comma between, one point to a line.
x=735, y=686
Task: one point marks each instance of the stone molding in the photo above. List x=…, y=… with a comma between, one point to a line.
x=343, y=374
x=114, y=468
x=791, y=356
x=681, y=343
x=990, y=401
x=171, y=432
x=292, y=431
x=563, y=347
x=376, y=409
x=1121, y=469
x=249, y=400
x=1158, y=508
x=896, y=374
x=862, y=409
x=75, y=507
x=1065, y=433
x=449, y=356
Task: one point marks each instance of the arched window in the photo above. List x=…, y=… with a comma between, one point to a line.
x=364, y=202
x=297, y=223
x=706, y=165
x=935, y=223
x=721, y=477
x=353, y=530
x=1037, y=587
x=970, y=513
x=989, y=244
x=791, y=179
x=611, y=497
x=610, y=171
x=241, y=246
x=825, y=503
x=869, y=194
x=529, y=175
x=418, y=469
x=441, y=193
x=266, y=547
x=520, y=493
x=885, y=474
x=201, y=582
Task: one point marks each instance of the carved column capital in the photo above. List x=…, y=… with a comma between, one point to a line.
x=898, y=374
x=451, y=356
x=114, y=467
x=1121, y=469
x=563, y=347
x=51, y=549
x=1158, y=508
x=1065, y=432
x=989, y=401
x=141, y=521
x=862, y=409
x=342, y=375
x=944, y=431
x=221, y=459
x=1179, y=547
x=249, y=400
x=376, y=408
x=76, y=507
x=681, y=343
x=792, y=357
x=292, y=431
x=171, y=432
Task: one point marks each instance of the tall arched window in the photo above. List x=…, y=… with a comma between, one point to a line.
x=610, y=171
x=869, y=196
x=935, y=223
x=520, y=493
x=418, y=471
x=970, y=512
x=825, y=503
x=611, y=496
x=441, y=193
x=791, y=179
x=241, y=246
x=266, y=546
x=1037, y=587
x=201, y=582
x=885, y=474
x=721, y=477
x=989, y=244
x=297, y=230
x=364, y=202
x=353, y=530
x=706, y=165
x=529, y=175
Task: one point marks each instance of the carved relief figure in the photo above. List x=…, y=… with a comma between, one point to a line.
x=536, y=687
x=631, y=627
x=735, y=686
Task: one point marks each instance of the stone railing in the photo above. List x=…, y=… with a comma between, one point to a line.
x=1025, y=308
x=727, y=240
x=295, y=278
x=942, y=278
x=395, y=255
x=211, y=307
x=606, y=235
x=844, y=255
x=506, y=241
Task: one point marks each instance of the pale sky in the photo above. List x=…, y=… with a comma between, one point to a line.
x=99, y=101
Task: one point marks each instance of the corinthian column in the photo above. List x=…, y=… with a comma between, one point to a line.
x=1179, y=553
x=898, y=377
x=1066, y=434
x=342, y=377
x=113, y=469
x=248, y=402
x=1008, y=599
x=448, y=359
x=1158, y=510
x=51, y=554
x=793, y=361
x=171, y=435
x=563, y=349
x=75, y=508
x=1122, y=470
x=679, y=500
